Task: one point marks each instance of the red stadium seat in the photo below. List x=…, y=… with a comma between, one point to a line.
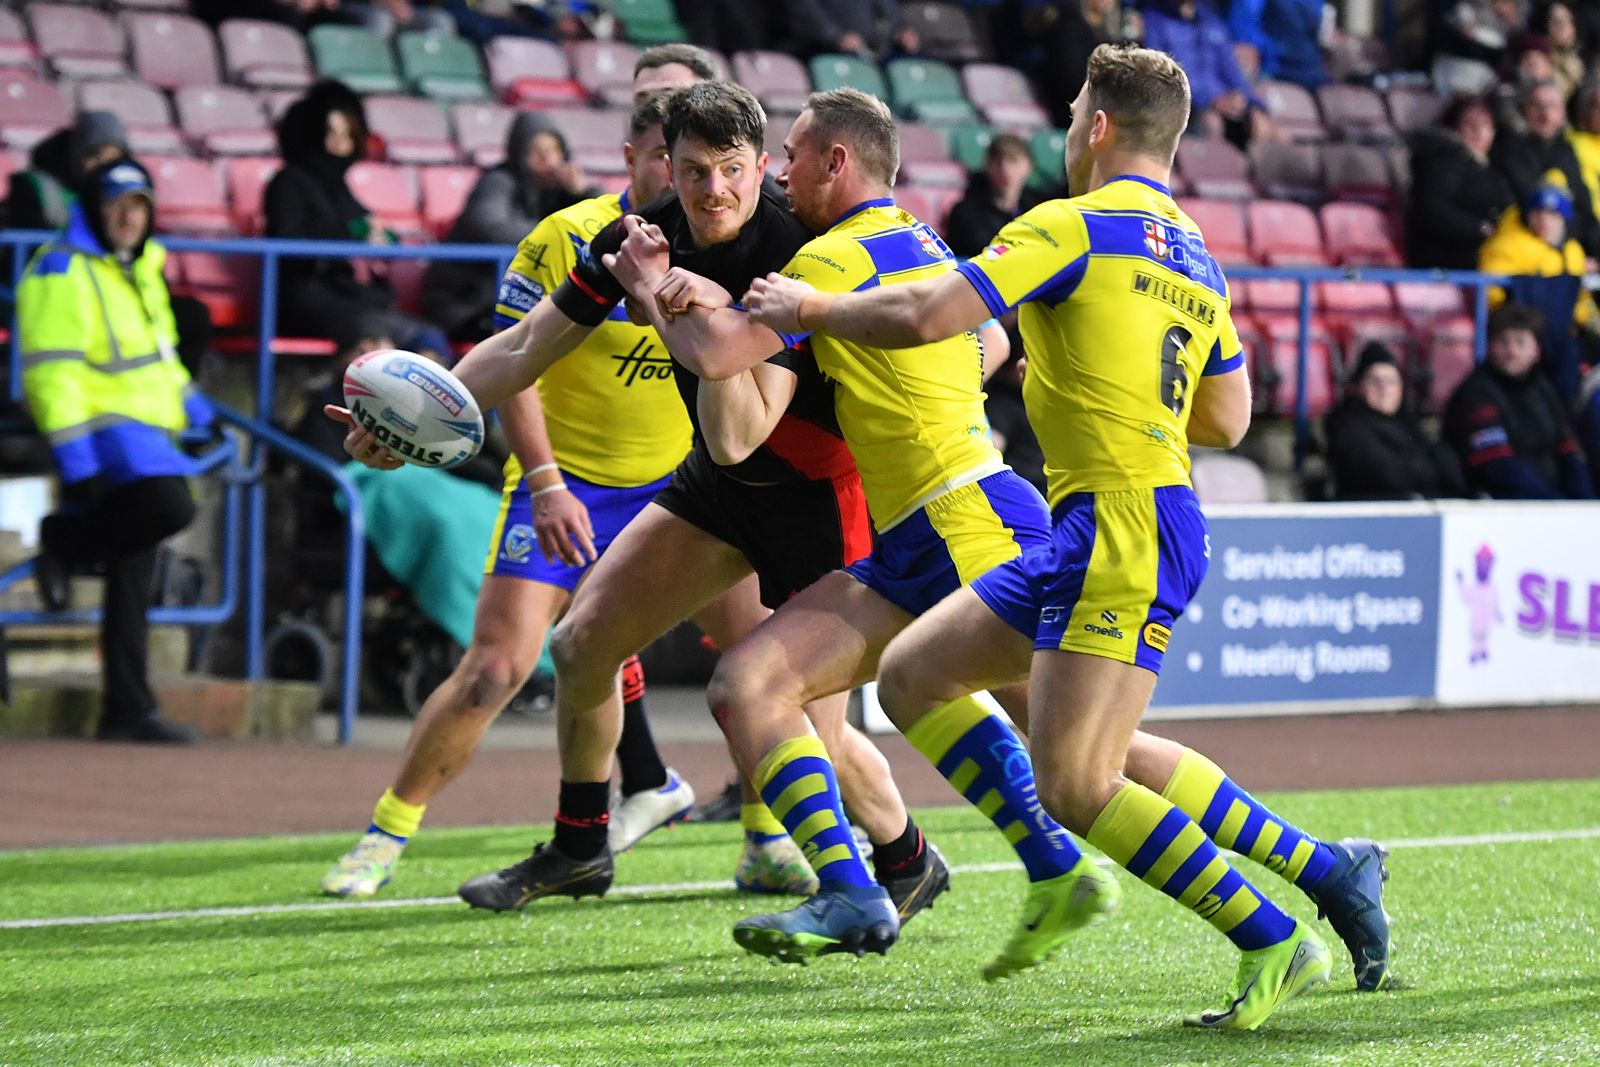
x=144, y=112
x=79, y=41
x=10, y=163
x=389, y=191
x=1355, y=113
x=246, y=179
x=172, y=50
x=591, y=130
x=413, y=129
x=1004, y=96
x=1449, y=354
x=530, y=71
x=16, y=47
x=1354, y=298
x=1288, y=171
x=1282, y=334
x=189, y=197
x=596, y=162
x=1413, y=109
x=30, y=110
x=444, y=194
x=924, y=159
x=276, y=101
x=1355, y=333
x=1293, y=109
x=1273, y=296
x=780, y=81
x=1223, y=478
x=1284, y=234
x=1214, y=169
x=481, y=129
x=1222, y=225
x=1359, y=173
x=224, y=120
x=929, y=205
x=264, y=55
x=228, y=286
x=1420, y=302
x=605, y=70
x=1358, y=236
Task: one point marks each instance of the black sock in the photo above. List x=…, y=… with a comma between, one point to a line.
x=583, y=815
x=905, y=856
x=637, y=757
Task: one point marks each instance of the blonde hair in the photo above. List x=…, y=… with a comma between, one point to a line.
x=864, y=123
x=1145, y=92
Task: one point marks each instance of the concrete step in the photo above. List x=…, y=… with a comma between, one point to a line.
x=82, y=593
x=45, y=649
x=68, y=705
x=11, y=549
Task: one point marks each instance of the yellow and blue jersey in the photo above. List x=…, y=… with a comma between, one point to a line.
x=913, y=417
x=1122, y=311
x=610, y=406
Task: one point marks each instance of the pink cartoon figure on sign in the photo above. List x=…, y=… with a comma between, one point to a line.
x=1483, y=604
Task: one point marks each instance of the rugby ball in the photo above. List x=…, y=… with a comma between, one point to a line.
x=417, y=409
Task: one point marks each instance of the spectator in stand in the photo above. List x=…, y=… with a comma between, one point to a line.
x=1286, y=36
x=1375, y=450
x=1585, y=134
x=1224, y=103
x=1559, y=27
x=1456, y=197
x=1509, y=425
x=1531, y=242
x=537, y=179
x=729, y=25
x=1470, y=40
x=1067, y=31
x=105, y=386
x=388, y=17
x=1526, y=158
x=320, y=136
x=42, y=196
x=875, y=29
x=995, y=195
x=301, y=14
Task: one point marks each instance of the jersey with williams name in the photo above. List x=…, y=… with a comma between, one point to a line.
x=610, y=406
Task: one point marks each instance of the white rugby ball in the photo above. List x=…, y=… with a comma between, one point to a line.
x=415, y=407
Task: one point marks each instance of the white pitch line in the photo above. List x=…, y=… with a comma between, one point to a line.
x=250, y=911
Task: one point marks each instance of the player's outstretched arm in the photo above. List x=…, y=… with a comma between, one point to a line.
x=1220, y=414
x=888, y=316
x=505, y=364
x=737, y=414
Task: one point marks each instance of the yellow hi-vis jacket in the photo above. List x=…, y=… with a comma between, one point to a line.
x=100, y=366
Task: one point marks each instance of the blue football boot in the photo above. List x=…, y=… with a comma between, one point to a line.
x=838, y=919
x=1350, y=897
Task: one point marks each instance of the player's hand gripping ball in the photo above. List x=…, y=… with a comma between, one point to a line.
x=415, y=408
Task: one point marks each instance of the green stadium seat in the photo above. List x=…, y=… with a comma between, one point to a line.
x=356, y=56
x=929, y=91
x=648, y=22
x=968, y=143
x=847, y=72
x=444, y=68
x=1049, y=148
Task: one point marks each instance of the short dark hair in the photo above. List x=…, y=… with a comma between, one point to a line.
x=721, y=114
x=651, y=111
x=1006, y=146
x=1145, y=91
x=1513, y=316
x=696, y=59
x=864, y=123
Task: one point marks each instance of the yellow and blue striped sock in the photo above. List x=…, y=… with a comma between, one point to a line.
x=1165, y=849
x=759, y=824
x=797, y=782
x=982, y=756
x=1236, y=820
x=395, y=817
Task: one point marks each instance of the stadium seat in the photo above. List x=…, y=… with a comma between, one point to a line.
x=1222, y=225
x=946, y=30
x=531, y=72
x=172, y=50
x=444, y=194
x=924, y=159
x=274, y=102
x=189, y=197
x=1356, y=332
x=356, y=56
x=778, y=80
x=246, y=179
x=1004, y=96
x=1270, y=296
x=605, y=70
x=1355, y=113
x=1214, y=169
x=1358, y=236
x=389, y=191
x=1359, y=173
x=30, y=110
x=847, y=72
x=1421, y=302
x=968, y=144
x=648, y=22
x=928, y=91
x=1399, y=157
x=227, y=285
x=78, y=41
x=224, y=120
x=413, y=130
x=1224, y=478
x=264, y=55
x=592, y=130
x=1281, y=334
x=598, y=163
x=1353, y=58
x=1288, y=171
x=150, y=5
x=144, y=112
x=444, y=68
x=1048, y=147
x=481, y=129
x=16, y=46
x=1284, y=234
x=1352, y=298
x=10, y=163
x=1293, y=109
x=1449, y=354
x=1413, y=109
x=929, y=205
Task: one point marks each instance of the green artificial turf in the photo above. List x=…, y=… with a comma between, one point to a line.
x=1498, y=946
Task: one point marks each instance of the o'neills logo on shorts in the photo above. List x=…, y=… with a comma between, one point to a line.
x=1157, y=636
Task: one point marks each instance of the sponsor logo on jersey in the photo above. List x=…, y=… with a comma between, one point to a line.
x=1157, y=636
x=1110, y=617
x=639, y=364
x=519, y=292
x=995, y=251
x=428, y=382
x=518, y=543
x=1112, y=630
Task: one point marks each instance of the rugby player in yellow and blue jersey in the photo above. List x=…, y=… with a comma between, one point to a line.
x=600, y=437
x=1132, y=355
